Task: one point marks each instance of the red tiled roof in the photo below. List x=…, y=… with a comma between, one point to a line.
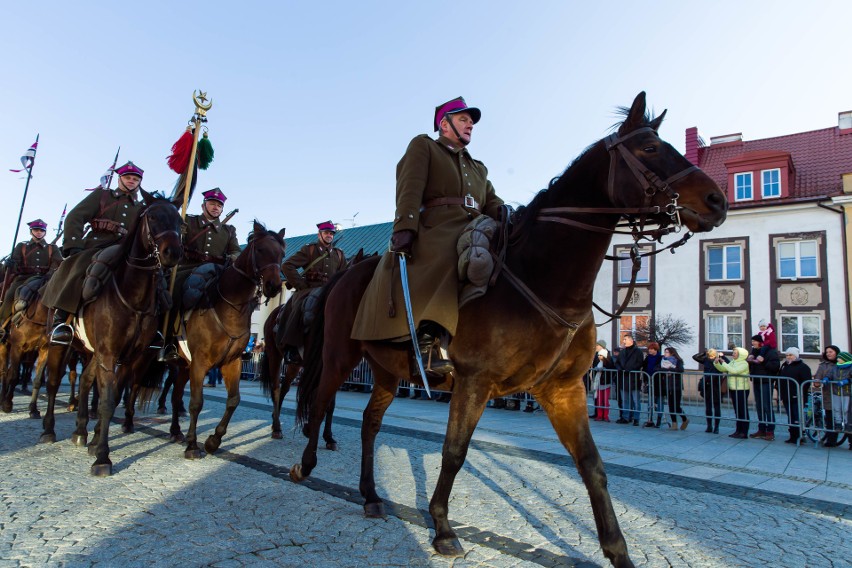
x=820, y=157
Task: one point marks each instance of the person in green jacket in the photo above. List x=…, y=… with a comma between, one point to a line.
x=110, y=214
x=738, y=387
x=439, y=189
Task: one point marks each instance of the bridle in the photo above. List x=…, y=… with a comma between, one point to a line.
x=651, y=186
x=256, y=275
x=152, y=240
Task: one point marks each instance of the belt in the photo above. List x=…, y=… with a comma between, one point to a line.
x=467, y=201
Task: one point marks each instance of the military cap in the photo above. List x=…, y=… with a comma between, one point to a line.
x=129, y=168
x=455, y=106
x=215, y=194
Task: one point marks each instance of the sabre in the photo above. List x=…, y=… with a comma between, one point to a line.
x=403, y=272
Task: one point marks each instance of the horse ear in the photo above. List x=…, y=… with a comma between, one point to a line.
x=635, y=115
x=281, y=232
x=147, y=198
x=258, y=228
x=655, y=124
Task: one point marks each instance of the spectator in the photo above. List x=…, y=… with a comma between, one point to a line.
x=712, y=391
x=655, y=394
x=764, y=363
x=602, y=382
x=793, y=374
x=738, y=387
x=629, y=365
x=826, y=371
x=838, y=386
x=767, y=332
x=588, y=378
x=674, y=385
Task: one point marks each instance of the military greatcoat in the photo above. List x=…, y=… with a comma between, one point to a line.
x=430, y=170
x=33, y=258
x=318, y=262
x=111, y=215
x=204, y=241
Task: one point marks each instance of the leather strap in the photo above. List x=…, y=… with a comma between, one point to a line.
x=438, y=201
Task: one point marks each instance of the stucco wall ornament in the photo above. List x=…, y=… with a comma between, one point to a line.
x=724, y=297
x=798, y=296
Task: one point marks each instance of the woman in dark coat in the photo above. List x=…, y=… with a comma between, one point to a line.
x=712, y=391
x=674, y=382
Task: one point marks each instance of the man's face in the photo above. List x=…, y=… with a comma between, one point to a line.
x=627, y=341
x=756, y=344
x=130, y=181
x=463, y=123
x=38, y=233
x=790, y=357
x=326, y=236
x=213, y=208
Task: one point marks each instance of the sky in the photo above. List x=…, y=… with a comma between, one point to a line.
x=315, y=102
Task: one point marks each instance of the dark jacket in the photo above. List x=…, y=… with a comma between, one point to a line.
x=629, y=359
x=208, y=241
x=770, y=365
x=798, y=370
x=317, y=261
x=707, y=363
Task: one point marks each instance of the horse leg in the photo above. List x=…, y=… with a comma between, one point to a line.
x=6, y=393
x=231, y=377
x=12, y=375
x=72, y=381
x=55, y=358
x=109, y=396
x=384, y=388
x=330, y=442
x=96, y=398
x=196, y=403
x=37, y=382
x=167, y=385
x=180, y=378
x=130, y=409
x=565, y=405
x=81, y=433
x=278, y=388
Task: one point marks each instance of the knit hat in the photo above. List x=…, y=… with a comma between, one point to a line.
x=844, y=360
x=794, y=351
x=602, y=343
x=761, y=323
x=603, y=353
x=757, y=338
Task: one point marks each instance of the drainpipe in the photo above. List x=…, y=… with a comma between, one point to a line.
x=847, y=240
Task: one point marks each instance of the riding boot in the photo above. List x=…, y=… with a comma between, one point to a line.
x=168, y=353
x=291, y=356
x=433, y=364
x=62, y=332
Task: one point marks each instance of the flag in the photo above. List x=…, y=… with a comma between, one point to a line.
x=105, y=179
x=28, y=159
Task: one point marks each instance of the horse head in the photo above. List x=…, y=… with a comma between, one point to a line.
x=646, y=173
x=159, y=229
x=262, y=257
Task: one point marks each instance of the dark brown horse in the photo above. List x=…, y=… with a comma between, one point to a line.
x=270, y=369
x=118, y=326
x=26, y=338
x=216, y=332
x=534, y=328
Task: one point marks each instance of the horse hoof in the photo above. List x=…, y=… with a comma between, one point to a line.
x=102, y=469
x=211, y=444
x=47, y=439
x=127, y=429
x=448, y=546
x=92, y=449
x=374, y=510
x=79, y=439
x=35, y=414
x=296, y=473
x=277, y=435
x=331, y=446
x=192, y=454
x=162, y=410
x=177, y=438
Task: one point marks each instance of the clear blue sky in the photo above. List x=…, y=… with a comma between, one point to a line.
x=315, y=102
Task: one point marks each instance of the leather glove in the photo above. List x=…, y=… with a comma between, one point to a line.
x=71, y=251
x=402, y=241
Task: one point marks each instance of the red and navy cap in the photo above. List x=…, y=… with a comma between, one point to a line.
x=327, y=226
x=215, y=194
x=37, y=224
x=455, y=106
x=129, y=168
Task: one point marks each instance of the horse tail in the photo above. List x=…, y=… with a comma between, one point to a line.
x=150, y=384
x=266, y=372
x=312, y=360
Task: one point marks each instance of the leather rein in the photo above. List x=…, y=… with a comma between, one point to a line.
x=651, y=185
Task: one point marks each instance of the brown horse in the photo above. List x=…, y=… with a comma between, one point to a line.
x=118, y=326
x=534, y=329
x=270, y=369
x=26, y=338
x=216, y=332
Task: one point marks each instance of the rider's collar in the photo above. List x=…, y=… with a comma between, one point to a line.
x=450, y=145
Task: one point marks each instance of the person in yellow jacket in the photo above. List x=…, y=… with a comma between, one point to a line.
x=738, y=387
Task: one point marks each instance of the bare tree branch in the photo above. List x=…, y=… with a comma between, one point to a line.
x=665, y=329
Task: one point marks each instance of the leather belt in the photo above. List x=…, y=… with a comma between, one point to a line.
x=467, y=201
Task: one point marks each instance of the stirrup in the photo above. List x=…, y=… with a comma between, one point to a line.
x=435, y=367
x=62, y=334
x=168, y=354
x=158, y=341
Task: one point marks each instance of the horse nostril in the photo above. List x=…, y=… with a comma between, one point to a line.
x=716, y=201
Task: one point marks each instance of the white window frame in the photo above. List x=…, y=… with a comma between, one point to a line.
x=725, y=249
x=763, y=184
x=625, y=269
x=739, y=176
x=797, y=257
x=727, y=335
x=786, y=340
x=632, y=331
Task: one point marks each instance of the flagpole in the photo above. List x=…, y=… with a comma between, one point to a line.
x=26, y=189
x=112, y=169
x=21, y=212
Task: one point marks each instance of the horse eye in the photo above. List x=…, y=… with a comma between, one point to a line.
x=649, y=149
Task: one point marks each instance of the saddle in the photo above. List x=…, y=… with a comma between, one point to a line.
x=99, y=272
x=300, y=314
x=196, y=284
x=25, y=295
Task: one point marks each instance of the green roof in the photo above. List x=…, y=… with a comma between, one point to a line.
x=372, y=238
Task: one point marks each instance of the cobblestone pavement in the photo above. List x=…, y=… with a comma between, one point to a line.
x=511, y=506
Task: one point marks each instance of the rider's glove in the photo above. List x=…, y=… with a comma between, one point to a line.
x=402, y=241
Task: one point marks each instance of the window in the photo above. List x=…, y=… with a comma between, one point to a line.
x=801, y=331
x=629, y=324
x=771, y=183
x=797, y=259
x=724, y=263
x=725, y=331
x=743, y=184
x=625, y=269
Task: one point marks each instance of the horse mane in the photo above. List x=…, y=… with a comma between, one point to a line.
x=266, y=232
x=155, y=198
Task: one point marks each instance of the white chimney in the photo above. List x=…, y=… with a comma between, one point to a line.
x=844, y=119
x=738, y=137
